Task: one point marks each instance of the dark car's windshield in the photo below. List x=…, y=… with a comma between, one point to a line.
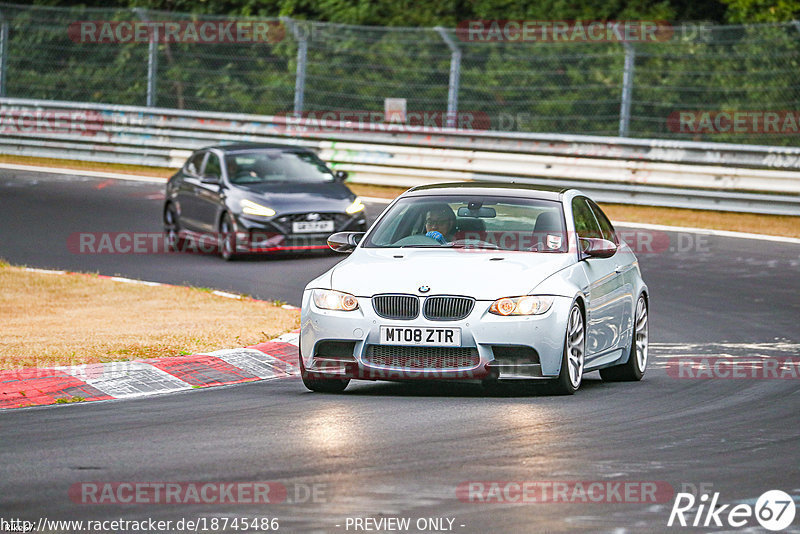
x=260, y=166
x=466, y=221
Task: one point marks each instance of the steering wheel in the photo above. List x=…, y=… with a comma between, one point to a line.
x=243, y=176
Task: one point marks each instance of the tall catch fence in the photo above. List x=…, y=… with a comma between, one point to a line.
x=490, y=78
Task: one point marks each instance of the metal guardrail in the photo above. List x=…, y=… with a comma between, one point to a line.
x=747, y=178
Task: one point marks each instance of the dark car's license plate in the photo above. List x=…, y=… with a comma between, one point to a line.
x=307, y=227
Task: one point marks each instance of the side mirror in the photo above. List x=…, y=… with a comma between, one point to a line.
x=597, y=248
x=341, y=176
x=345, y=241
x=208, y=179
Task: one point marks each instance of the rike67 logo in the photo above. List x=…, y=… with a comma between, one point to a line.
x=774, y=510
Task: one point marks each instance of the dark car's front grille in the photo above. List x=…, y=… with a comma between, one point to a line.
x=422, y=357
x=445, y=308
x=396, y=306
x=296, y=217
x=284, y=222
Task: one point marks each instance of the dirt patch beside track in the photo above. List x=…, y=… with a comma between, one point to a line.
x=69, y=320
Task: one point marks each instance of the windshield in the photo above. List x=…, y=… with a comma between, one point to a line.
x=260, y=166
x=467, y=221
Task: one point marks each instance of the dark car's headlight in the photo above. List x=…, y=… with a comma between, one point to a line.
x=253, y=208
x=356, y=206
x=328, y=299
x=525, y=305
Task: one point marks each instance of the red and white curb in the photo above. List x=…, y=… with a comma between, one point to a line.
x=121, y=380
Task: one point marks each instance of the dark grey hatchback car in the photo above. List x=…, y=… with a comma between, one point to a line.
x=258, y=198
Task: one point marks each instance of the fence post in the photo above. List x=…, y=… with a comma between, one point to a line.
x=455, y=76
x=300, y=73
x=152, y=60
x=627, y=90
x=4, y=37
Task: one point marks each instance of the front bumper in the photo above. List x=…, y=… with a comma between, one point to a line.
x=259, y=235
x=506, y=347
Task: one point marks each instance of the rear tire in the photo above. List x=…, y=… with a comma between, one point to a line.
x=635, y=367
x=573, y=359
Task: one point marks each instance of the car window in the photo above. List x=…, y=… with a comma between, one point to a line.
x=605, y=225
x=213, y=168
x=275, y=165
x=505, y=223
x=585, y=222
x=195, y=163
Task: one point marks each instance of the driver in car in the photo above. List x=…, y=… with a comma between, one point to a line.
x=440, y=223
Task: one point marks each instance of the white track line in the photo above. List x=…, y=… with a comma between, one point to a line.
x=708, y=231
x=377, y=200
x=91, y=174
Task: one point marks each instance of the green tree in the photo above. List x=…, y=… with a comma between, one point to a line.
x=744, y=11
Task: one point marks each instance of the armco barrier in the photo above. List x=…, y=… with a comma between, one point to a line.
x=759, y=179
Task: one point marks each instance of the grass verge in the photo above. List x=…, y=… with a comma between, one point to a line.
x=69, y=320
x=779, y=225
x=159, y=172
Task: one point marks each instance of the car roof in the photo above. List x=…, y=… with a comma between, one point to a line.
x=544, y=192
x=241, y=147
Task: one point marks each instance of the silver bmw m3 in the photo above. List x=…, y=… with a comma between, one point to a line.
x=481, y=282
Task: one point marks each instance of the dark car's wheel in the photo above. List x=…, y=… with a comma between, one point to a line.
x=322, y=384
x=172, y=229
x=226, y=240
x=636, y=365
x=572, y=361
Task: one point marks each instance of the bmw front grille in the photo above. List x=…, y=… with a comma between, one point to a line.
x=396, y=306
x=446, y=308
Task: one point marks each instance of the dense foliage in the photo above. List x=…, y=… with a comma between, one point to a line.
x=549, y=87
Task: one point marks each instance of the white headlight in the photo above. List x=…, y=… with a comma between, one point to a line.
x=251, y=208
x=328, y=299
x=525, y=305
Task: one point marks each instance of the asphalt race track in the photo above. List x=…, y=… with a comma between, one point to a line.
x=403, y=450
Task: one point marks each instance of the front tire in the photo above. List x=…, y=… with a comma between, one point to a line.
x=573, y=359
x=226, y=240
x=172, y=229
x=319, y=384
x=634, y=368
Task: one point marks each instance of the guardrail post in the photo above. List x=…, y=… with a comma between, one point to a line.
x=627, y=90
x=4, y=37
x=455, y=76
x=300, y=73
x=152, y=60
